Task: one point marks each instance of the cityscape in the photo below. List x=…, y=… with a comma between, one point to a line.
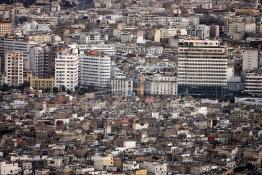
x=130, y=87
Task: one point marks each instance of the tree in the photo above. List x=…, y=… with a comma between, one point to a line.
x=63, y=88
x=55, y=90
x=5, y=87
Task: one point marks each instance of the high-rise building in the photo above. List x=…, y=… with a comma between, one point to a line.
x=14, y=68
x=94, y=71
x=202, y=66
x=66, y=68
x=17, y=44
x=37, y=60
x=40, y=60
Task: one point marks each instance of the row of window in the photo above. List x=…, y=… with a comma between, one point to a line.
x=180, y=60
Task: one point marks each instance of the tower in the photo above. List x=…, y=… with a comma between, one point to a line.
x=14, y=68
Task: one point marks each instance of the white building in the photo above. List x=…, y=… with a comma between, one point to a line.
x=94, y=71
x=8, y=169
x=156, y=167
x=102, y=3
x=154, y=51
x=14, y=68
x=122, y=87
x=253, y=83
x=167, y=33
x=202, y=64
x=126, y=37
x=250, y=59
x=66, y=68
x=202, y=31
x=33, y=27
x=130, y=144
x=108, y=49
x=93, y=37
x=161, y=85
x=130, y=165
x=250, y=27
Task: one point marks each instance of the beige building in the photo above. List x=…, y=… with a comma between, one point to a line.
x=40, y=83
x=40, y=38
x=157, y=36
x=14, y=68
x=102, y=162
x=141, y=172
x=141, y=86
x=5, y=28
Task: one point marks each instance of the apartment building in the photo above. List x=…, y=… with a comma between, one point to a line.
x=66, y=68
x=5, y=28
x=250, y=59
x=94, y=70
x=18, y=44
x=14, y=68
x=253, y=83
x=92, y=37
x=40, y=60
x=201, y=31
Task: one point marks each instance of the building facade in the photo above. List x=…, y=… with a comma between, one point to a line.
x=94, y=71
x=17, y=44
x=40, y=83
x=40, y=60
x=122, y=87
x=9, y=168
x=202, y=67
x=161, y=85
x=5, y=28
x=250, y=59
x=66, y=68
x=14, y=68
x=253, y=83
